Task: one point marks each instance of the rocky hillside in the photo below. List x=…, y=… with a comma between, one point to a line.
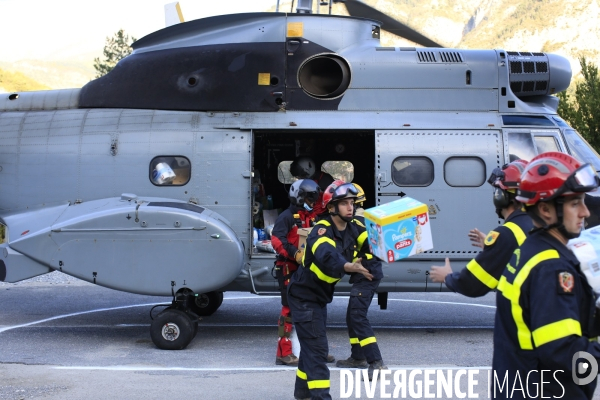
x=16, y=82
x=566, y=27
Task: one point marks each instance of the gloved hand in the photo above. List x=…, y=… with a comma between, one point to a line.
x=298, y=256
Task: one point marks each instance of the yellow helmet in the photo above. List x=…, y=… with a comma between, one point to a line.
x=360, y=197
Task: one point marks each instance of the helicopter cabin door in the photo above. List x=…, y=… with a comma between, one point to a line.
x=448, y=171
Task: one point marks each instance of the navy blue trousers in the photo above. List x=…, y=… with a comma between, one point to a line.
x=312, y=376
x=362, y=337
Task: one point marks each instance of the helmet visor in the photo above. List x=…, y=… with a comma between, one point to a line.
x=343, y=190
x=497, y=174
x=584, y=179
x=312, y=197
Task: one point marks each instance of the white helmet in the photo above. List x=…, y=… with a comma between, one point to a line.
x=302, y=190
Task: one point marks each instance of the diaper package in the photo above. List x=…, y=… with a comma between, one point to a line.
x=398, y=229
x=587, y=250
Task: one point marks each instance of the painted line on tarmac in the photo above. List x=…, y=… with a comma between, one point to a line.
x=407, y=300
x=8, y=328
x=282, y=368
x=217, y=325
x=444, y=302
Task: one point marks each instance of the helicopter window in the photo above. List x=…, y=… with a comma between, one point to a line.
x=464, y=171
x=546, y=143
x=170, y=170
x=581, y=149
x=343, y=170
x=527, y=120
x=412, y=171
x=520, y=146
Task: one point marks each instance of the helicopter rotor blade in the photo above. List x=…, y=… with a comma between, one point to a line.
x=359, y=9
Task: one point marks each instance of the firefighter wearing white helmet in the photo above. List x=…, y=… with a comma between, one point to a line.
x=305, y=168
x=302, y=194
x=546, y=311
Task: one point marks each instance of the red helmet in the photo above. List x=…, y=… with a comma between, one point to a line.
x=550, y=175
x=509, y=176
x=339, y=190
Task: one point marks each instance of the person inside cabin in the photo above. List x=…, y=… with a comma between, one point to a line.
x=305, y=168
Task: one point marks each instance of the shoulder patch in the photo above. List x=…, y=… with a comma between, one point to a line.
x=566, y=283
x=321, y=231
x=491, y=237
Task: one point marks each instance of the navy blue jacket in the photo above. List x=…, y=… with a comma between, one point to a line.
x=482, y=273
x=545, y=314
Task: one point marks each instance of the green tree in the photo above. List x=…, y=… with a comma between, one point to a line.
x=116, y=48
x=582, y=110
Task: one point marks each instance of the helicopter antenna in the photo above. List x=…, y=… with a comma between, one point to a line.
x=292, y=7
x=277, y=7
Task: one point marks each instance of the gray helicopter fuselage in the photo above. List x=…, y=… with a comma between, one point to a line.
x=246, y=93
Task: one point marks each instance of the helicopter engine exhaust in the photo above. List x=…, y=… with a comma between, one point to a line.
x=537, y=74
x=324, y=76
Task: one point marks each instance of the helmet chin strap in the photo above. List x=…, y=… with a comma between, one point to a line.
x=559, y=224
x=499, y=213
x=558, y=202
x=336, y=211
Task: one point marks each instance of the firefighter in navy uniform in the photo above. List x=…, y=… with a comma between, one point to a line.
x=364, y=349
x=330, y=251
x=482, y=273
x=303, y=194
x=545, y=306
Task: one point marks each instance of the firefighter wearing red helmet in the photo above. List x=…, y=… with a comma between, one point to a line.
x=331, y=250
x=545, y=306
x=482, y=273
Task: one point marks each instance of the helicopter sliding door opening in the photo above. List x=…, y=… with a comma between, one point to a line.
x=346, y=155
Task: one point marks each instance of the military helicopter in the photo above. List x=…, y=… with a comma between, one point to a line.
x=152, y=178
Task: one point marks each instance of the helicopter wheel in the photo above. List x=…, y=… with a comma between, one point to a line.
x=206, y=304
x=172, y=330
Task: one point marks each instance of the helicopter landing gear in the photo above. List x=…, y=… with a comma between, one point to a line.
x=176, y=326
x=173, y=329
x=206, y=304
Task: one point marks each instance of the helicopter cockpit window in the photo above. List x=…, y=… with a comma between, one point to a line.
x=545, y=144
x=343, y=170
x=170, y=170
x=464, y=171
x=527, y=120
x=520, y=146
x=412, y=171
x=581, y=149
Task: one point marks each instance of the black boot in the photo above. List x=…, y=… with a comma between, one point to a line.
x=375, y=365
x=351, y=362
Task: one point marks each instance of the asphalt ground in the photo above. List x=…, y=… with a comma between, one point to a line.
x=75, y=340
